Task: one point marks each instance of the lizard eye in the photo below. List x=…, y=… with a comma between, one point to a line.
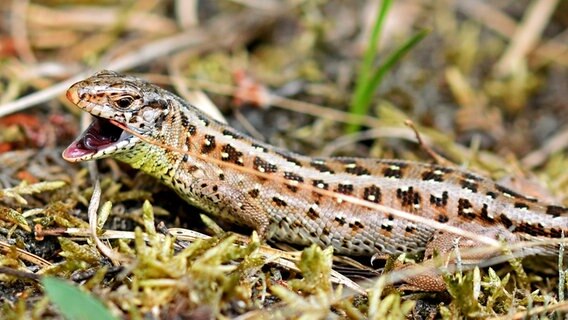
x=124, y=102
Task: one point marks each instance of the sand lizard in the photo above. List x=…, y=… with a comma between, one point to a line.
x=282, y=210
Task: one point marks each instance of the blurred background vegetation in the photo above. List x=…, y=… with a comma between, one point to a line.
x=484, y=82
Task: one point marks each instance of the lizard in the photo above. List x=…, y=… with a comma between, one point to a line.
x=187, y=141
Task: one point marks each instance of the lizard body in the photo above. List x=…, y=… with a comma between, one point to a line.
x=280, y=209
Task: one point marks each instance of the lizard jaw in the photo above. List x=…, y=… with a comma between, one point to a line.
x=101, y=139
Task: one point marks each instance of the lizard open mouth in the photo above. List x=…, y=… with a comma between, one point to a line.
x=101, y=138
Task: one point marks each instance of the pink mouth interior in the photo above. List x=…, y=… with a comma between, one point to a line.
x=99, y=135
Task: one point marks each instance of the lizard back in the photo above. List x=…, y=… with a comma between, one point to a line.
x=281, y=208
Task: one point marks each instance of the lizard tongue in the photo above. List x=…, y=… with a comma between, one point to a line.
x=99, y=134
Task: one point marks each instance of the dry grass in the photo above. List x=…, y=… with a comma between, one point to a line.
x=486, y=89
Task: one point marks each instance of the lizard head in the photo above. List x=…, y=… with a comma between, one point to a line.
x=116, y=102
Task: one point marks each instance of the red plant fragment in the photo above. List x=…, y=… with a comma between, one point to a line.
x=249, y=91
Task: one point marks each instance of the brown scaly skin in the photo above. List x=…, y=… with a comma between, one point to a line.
x=283, y=211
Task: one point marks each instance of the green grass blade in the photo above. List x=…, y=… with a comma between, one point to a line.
x=74, y=303
x=369, y=79
x=373, y=48
x=356, y=106
x=375, y=81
